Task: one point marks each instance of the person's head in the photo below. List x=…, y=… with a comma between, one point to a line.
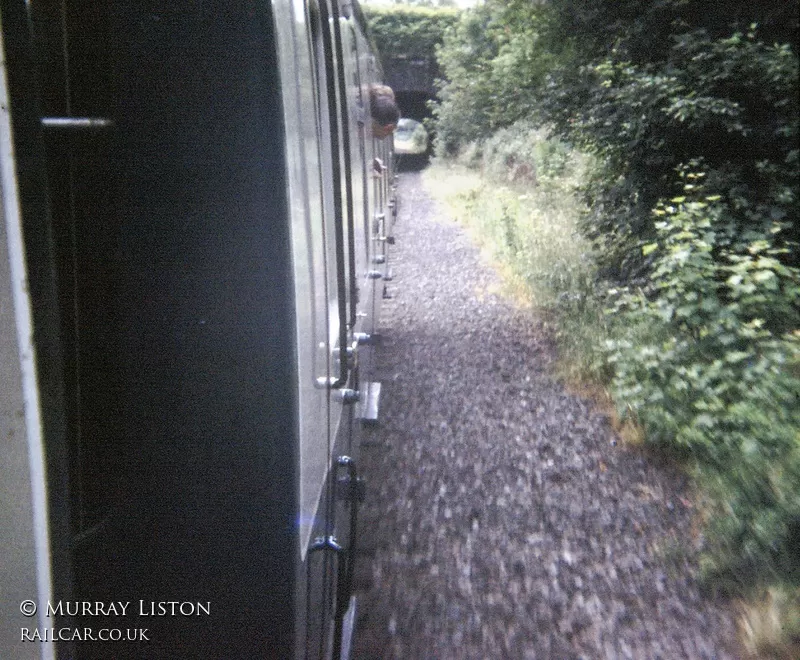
x=384, y=110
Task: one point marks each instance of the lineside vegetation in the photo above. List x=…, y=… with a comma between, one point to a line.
x=639, y=172
x=408, y=32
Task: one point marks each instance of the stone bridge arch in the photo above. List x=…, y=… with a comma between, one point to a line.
x=412, y=80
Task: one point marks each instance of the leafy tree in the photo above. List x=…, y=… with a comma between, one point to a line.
x=464, y=113
x=494, y=62
x=646, y=88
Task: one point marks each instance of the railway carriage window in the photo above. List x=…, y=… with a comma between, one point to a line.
x=304, y=128
x=326, y=140
x=359, y=179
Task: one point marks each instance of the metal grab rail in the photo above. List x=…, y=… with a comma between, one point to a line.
x=77, y=123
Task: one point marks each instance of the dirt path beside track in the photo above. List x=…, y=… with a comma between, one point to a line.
x=503, y=519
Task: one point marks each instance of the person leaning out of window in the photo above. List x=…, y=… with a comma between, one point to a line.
x=384, y=110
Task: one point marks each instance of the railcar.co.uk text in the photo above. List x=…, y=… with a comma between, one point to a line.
x=84, y=635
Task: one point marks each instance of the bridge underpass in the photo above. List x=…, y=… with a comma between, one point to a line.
x=412, y=80
x=413, y=104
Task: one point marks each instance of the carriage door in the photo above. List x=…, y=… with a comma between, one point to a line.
x=77, y=96
x=322, y=294
x=352, y=115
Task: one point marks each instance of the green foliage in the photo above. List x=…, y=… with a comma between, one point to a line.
x=493, y=61
x=641, y=32
x=524, y=153
x=464, y=114
x=731, y=103
x=408, y=31
x=712, y=373
x=644, y=88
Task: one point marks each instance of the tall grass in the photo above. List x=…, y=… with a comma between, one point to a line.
x=517, y=195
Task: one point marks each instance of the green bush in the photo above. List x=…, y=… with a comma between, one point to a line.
x=730, y=103
x=646, y=88
x=712, y=373
x=525, y=153
x=463, y=114
x=494, y=60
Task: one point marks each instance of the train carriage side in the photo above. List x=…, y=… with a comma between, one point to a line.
x=190, y=235
x=361, y=69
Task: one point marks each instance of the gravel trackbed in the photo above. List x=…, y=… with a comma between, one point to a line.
x=503, y=519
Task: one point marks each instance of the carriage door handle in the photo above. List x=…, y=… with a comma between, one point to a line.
x=351, y=488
